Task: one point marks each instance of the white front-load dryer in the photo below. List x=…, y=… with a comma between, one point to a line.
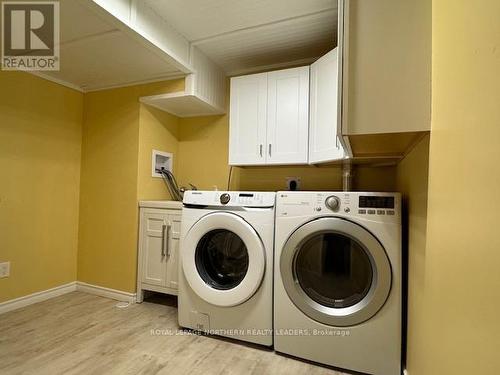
x=226, y=264
x=337, y=285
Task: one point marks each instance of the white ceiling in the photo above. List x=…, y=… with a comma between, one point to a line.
x=77, y=22
x=246, y=35
x=240, y=36
x=95, y=55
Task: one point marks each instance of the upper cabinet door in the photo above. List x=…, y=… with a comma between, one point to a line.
x=324, y=144
x=247, y=133
x=288, y=116
x=387, y=70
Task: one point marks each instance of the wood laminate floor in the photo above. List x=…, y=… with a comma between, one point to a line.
x=80, y=333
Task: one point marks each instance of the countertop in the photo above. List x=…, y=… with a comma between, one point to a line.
x=172, y=205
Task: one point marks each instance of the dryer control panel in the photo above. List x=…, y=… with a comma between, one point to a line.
x=368, y=205
x=229, y=198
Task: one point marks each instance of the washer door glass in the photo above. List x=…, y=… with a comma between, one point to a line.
x=334, y=270
x=221, y=259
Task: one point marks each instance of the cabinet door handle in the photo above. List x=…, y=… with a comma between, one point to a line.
x=270, y=149
x=260, y=150
x=163, y=242
x=168, y=238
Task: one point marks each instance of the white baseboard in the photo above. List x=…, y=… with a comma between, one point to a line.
x=105, y=292
x=30, y=299
x=80, y=286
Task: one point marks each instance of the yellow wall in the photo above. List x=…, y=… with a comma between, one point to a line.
x=40, y=138
x=158, y=130
x=116, y=135
x=203, y=143
x=203, y=161
x=461, y=333
x=453, y=317
x=115, y=161
x=412, y=182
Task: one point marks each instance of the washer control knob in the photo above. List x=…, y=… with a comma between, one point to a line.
x=225, y=198
x=332, y=202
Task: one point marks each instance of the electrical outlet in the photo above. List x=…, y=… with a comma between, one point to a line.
x=293, y=183
x=4, y=269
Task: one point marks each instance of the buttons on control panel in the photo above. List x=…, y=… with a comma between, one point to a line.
x=250, y=199
x=363, y=211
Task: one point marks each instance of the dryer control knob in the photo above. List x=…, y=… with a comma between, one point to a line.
x=332, y=202
x=225, y=198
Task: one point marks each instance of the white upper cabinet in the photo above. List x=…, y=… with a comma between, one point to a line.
x=269, y=118
x=324, y=128
x=248, y=111
x=287, y=116
x=387, y=48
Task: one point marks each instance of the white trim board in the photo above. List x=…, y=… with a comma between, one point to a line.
x=58, y=81
x=36, y=297
x=105, y=292
x=265, y=68
x=168, y=77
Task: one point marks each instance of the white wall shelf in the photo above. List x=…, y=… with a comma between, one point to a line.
x=182, y=104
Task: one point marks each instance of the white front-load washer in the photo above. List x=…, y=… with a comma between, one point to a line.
x=226, y=264
x=338, y=282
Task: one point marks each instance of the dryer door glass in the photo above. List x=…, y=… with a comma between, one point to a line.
x=221, y=259
x=334, y=270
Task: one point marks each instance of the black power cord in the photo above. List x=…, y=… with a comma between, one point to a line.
x=229, y=177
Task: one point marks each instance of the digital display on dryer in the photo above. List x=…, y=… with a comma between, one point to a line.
x=376, y=202
x=246, y=195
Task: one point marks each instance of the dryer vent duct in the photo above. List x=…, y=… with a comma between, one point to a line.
x=347, y=176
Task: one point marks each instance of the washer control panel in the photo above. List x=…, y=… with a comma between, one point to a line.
x=373, y=206
x=229, y=198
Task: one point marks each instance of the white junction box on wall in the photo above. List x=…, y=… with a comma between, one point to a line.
x=161, y=160
x=4, y=269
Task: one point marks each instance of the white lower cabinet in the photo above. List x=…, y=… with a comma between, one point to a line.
x=159, y=232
